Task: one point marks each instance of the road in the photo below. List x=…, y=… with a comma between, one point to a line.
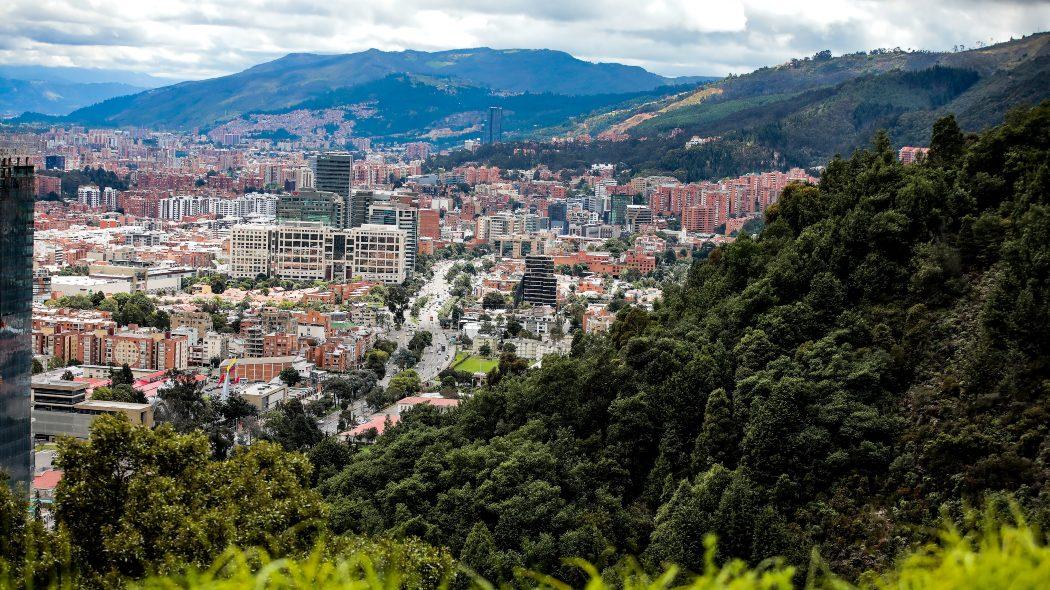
x=438, y=356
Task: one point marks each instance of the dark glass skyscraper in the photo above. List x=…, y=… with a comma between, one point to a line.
x=16, y=306
x=332, y=173
x=494, y=129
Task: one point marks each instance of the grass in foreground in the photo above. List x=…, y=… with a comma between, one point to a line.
x=1014, y=557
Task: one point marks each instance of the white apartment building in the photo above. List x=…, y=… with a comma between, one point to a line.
x=177, y=207
x=89, y=195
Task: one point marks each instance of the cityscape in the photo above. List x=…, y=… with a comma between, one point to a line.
x=476, y=318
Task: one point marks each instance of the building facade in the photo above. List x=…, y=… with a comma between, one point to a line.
x=379, y=253
x=16, y=329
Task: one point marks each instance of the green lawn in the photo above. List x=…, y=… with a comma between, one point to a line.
x=473, y=363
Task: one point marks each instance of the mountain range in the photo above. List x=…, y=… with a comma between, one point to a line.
x=299, y=79
x=800, y=113
x=60, y=90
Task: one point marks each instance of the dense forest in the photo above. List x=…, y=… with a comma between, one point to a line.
x=876, y=356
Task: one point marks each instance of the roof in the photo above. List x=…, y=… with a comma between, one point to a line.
x=434, y=401
x=378, y=422
x=47, y=480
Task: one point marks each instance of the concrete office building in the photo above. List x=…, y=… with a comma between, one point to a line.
x=251, y=248
x=16, y=329
x=309, y=251
x=61, y=408
x=379, y=253
x=299, y=251
x=404, y=217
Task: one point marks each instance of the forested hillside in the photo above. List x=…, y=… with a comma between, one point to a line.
x=877, y=355
x=800, y=113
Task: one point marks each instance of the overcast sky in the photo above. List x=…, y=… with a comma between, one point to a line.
x=192, y=39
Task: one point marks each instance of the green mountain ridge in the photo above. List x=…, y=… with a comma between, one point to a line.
x=297, y=78
x=801, y=113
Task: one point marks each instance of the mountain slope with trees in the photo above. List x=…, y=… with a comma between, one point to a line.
x=300, y=77
x=800, y=113
x=876, y=356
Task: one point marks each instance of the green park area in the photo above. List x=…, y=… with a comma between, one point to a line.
x=473, y=363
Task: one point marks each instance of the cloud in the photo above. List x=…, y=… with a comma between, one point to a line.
x=182, y=39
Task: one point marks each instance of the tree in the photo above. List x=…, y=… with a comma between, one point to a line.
x=67, y=375
x=420, y=340
x=119, y=393
x=403, y=358
x=122, y=377
x=129, y=495
x=493, y=300
x=290, y=376
x=403, y=384
x=485, y=350
x=291, y=427
x=947, y=142
x=375, y=361
x=37, y=367
x=397, y=302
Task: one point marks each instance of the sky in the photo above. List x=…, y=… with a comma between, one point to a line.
x=195, y=39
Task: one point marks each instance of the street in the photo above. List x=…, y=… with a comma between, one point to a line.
x=436, y=357
x=439, y=355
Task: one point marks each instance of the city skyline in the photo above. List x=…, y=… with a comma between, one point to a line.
x=667, y=37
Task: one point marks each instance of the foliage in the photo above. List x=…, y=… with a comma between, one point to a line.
x=136, y=500
x=183, y=405
x=119, y=393
x=136, y=308
x=290, y=376
x=292, y=427
x=876, y=354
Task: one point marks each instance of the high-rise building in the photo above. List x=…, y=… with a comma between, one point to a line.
x=301, y=251
x=405, y=217
x=326, y=207
x=55, y=162
x=379, y=253
x=539, y=286
x=494, y=128
x=333, y=171
x=360, y=202
x=618, y=209
x=16, y=330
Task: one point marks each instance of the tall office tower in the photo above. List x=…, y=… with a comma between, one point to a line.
x=360, y=204
x=56, y=162
x=618, y=209
x=539, y=286
x=403, y=217
x=16, y=303
x=332, y=173
x=328, y=208
x=494, y=129
x=556, y=211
